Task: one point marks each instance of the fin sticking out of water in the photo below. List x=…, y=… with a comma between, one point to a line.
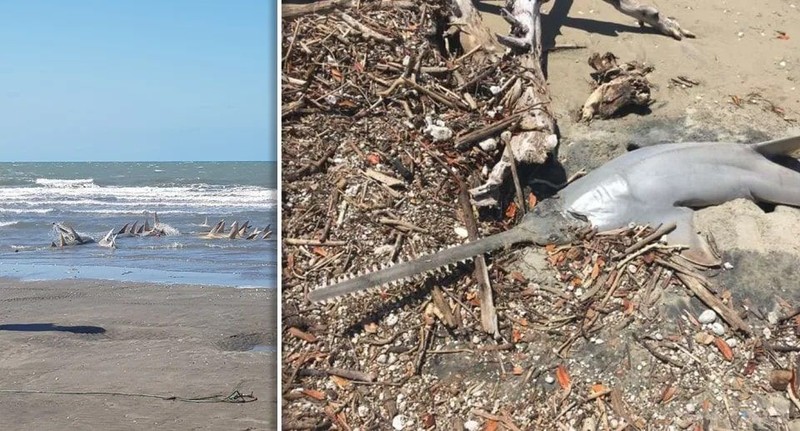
x=146, y=226
x=156, y=222
x=234, y=230
x=205, y=223
x=140, y=230
x=108, y=240
x=779, y=147
x=243, y=229
x=124, y=229
x=132, y=230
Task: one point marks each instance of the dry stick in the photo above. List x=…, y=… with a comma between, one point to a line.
x=443, y=307
x=331, y=213
x=517, y=187
x=289, y=11
x=661, y=231
x=592, y=397
x=314, y=167
x=661, y=357
x=479, y=135
x=313, y=242
x=341, y=372
x=400, y=223
x=730, y=316
x=455, y=104
x=368, y=32
x=481, y=273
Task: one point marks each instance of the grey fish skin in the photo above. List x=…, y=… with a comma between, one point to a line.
x=652, y=185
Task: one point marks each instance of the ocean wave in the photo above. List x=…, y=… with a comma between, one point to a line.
x=8, y=223
x=60, y=184
x=27, y=210
x=233, y=198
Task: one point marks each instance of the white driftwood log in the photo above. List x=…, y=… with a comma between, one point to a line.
x=535, y=137
x=651, y=16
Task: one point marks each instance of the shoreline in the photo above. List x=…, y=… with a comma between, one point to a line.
x=35, y=273
x=104, y=337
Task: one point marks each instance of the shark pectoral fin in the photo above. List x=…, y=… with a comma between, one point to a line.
x=699, y=251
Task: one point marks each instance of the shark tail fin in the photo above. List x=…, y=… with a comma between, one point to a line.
x=108, y=235
x=124, y=229
x=779, y=147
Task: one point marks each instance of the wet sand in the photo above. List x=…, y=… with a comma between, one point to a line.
x=136, y=338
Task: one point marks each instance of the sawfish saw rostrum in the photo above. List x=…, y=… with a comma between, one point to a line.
x=655, y=185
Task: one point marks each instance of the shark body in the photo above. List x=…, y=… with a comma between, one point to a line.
x=653, y=185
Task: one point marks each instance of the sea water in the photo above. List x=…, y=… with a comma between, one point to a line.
x=94, y=198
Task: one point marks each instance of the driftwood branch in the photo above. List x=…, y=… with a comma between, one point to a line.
x=651, y=16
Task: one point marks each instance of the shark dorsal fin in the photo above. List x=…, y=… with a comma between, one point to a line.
x=779, y=147
x=234, y=230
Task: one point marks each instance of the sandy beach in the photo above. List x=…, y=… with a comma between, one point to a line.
x=79, y=336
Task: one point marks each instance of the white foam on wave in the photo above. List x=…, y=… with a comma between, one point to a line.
x=8, y=223
x=210, y=197
x=26, y=210
x=59, y=183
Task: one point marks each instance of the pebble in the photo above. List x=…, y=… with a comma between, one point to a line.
x=717, y=328
x=549, y=380
x=488, y=145
x=461, y=232
x=399, y=422
x=707, y=316
x=773, y=317
x=727, y=265
x=772, y=411
x=392, y=320
x=740, y=34
x=767, y=333
x=472, y=425
x=658, y=336
x=382, y=358
x=782, y=64
x=363, y=411
x=732, y=342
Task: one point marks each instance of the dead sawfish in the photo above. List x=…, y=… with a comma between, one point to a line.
x=655, y=185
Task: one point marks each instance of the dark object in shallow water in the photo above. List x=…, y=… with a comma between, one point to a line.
x=68, y=237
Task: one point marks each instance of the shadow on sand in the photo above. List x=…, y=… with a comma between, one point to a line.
x=43, y=327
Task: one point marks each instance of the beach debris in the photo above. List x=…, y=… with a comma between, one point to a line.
x=618, y=88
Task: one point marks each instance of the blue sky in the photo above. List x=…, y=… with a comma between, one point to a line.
x=130, y=80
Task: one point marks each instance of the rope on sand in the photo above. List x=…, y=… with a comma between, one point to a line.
x=235, y=396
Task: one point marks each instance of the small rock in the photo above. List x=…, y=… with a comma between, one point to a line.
x=782, y=64
x=773, y=317
x=472, y=425
x=488, y=145
x=399, y=422
x=495, y=89
x=703, y=338
x=461, y=232
x=772, y=411
x=740, y=34
x=691, y=408
x=707, y=316
x=382, y=358
x=717, y=328
x=549, y=380
x=658, y=336
x=363, y=411
x=727, y=265
x=392, y=320
x=732, y=342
